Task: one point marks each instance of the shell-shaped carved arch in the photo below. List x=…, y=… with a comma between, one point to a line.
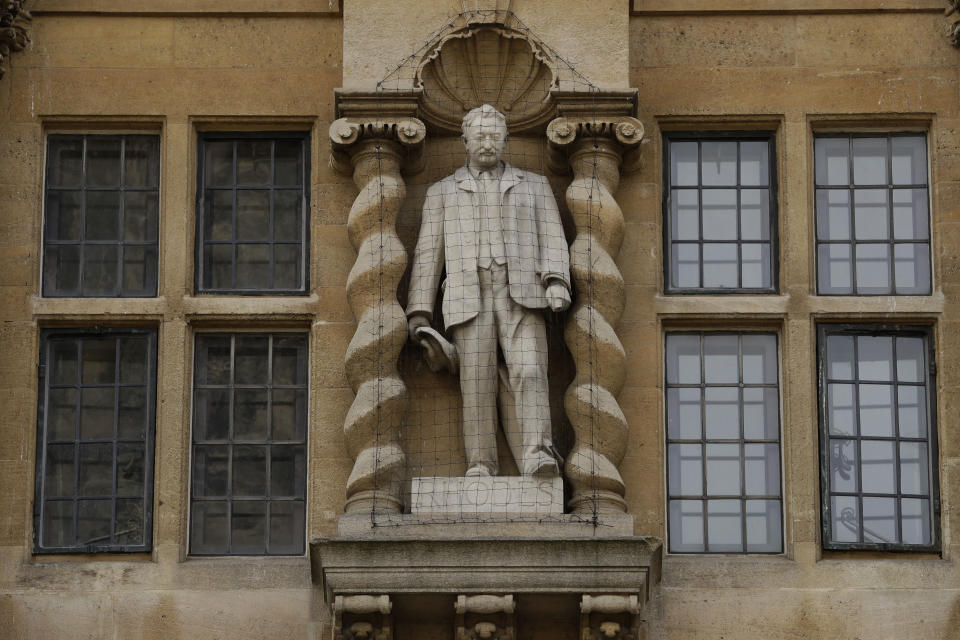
x=491, y=64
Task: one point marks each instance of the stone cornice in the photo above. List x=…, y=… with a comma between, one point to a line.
x=14, y=22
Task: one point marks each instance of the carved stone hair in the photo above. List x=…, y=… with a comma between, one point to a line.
x=479, y=112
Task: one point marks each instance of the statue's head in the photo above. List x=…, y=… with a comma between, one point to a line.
x=484, y=136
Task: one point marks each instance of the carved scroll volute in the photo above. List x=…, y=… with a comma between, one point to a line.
x=375, y=152
x=597, y=151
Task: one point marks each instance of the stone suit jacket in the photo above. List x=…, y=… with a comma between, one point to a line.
x=536, y=249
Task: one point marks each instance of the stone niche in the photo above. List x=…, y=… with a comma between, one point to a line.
x=503, y=556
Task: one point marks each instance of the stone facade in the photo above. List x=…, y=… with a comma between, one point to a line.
x=178, y=68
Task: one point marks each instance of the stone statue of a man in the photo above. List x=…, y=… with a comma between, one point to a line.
x=497, y=231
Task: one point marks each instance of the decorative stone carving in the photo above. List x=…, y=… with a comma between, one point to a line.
x=487, y=64
x=375, y=150
x=609, y=617
x=596, y=150
x=362, y=617
x=485, y=617
x=14, y=22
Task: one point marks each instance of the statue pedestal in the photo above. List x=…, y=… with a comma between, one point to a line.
x=498, y=495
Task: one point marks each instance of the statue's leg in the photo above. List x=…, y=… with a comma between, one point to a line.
x=476, y=343
x=523, y=340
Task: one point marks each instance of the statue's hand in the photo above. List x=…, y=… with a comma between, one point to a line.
x=415, y=322
x=557, y=296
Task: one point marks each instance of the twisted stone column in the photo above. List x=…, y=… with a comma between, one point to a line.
x=595, y=151
x=374, y=152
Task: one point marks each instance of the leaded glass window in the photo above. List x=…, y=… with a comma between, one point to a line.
x=878, y=444
x=95, y=441
x=873, y=214
x=101, y=216
x=252, y=213
x=723, y=443
x=720, y=213
x=248, y=489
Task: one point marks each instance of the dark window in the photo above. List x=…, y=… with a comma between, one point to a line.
x=253, y=199
x=872, y=201
x=95, y=441
x=101, y=216
x=878, y=450
x=720, y=213
x=249, y=444
x=723, y=443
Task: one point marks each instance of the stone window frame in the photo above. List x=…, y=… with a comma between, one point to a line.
x=762, y=132
x=240, y=131
x=703, y=440
x=47, y=338
x=926, y=332
x=832, y=130
x=84, y=131
x=190, y=520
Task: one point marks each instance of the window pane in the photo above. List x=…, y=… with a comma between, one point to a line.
x=141, y=161
x=869, y=161
x=130, y=469
x=761, y=414
x=96, y=470
x=286, y=264
x=834, y=269
x=218, y=162
x=103, y=215
x=286, y=528
x=685, y=216
x=250, y=414
x=64, y=214
x=761, y=470
x=139, y=270
x=754, y=214
x=908, y=159
x=755, y=267
x=93, y=522
x=871, y=214
x=754, y=163
x=683, y=414
x=248, y=527
x=840, y=413
x=287, y=216
x=58, y=523
x=720, y=268
x=253, y=266
x=873, y=268
x=910, y=214
x=218, y=266
x=96, y=413
x=249, y=470
x=875, y=357
x=759, y=359
x=288, y=162
x=718, y=162
x=915, y=520
x=61, y=269
x=832, y=161
x=208, y=527
x=724, y=526
x=723, y=469
x=722, y=413
x=253, y=215
x=877, y=464
x=219, y=215
x=683, y=359
x=140, y=216
x=879, y=520
x=912, y=268
x=100, y=270
x=211, y=414
x=210, y=468
x=289, y=414
x=683, y=163
x=62, y=414
x=103, y=161
x=844, y=519
x=253, y=161
x=59, y=478
x=133, y=360
x=289, y=361
x=686, y=526
x=132, y=413
x=844, y=466
x=213, y=360
x=840, y=357
x=911, y=412
x=910, y=367
x=764, y=526
x=686, y=265
x=876, y=409
x=833, y=214
x=719, y=208
x=287, y=471
x=65, y=161
x=913, y=468
x=252, y=360
x=128, y=528
x=64, y=369
x=721, y=358
x=686, y=469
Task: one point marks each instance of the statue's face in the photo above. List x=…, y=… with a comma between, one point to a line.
x=485, y=140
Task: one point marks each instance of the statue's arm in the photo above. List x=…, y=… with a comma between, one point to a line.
x=554, y=265
x=428, y=256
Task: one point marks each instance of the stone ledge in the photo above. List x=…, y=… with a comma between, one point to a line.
x=396, y=526
x=486, y=565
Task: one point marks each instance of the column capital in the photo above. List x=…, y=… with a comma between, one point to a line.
x=567, y=135
x=402, y=135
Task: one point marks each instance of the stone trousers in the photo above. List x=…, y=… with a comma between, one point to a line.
x=521, y=378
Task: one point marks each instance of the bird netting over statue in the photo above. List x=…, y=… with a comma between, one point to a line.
x=485, y=361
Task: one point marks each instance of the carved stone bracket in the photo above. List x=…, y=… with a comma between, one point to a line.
x=609, y=617
x=362, y=618
x=953, y=12
x=14, y=22
x=485, y=617
x=375, y=151
x=596, y=150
